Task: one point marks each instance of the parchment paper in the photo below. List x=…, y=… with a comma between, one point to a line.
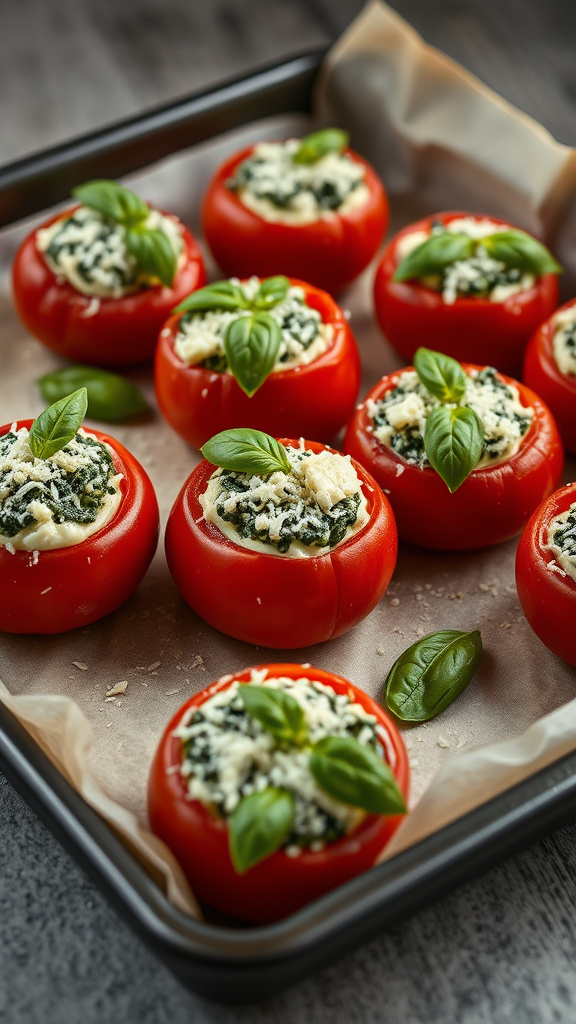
x=440, y=140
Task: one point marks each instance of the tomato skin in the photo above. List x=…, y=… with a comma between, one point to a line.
x=329, y=253
x=492, y=505
x=122, y=332
x=548, y=600
x=71, y=587
x=272, y=600
x=475, y=330
x=279, y=885
x=541, y=372
x=312, y=400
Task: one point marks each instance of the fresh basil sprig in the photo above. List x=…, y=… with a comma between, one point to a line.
x=434, y=255
x=318, y=144
x=221, y=295
x=515, y=248
x=114, y=201
x=58, y=424
x=432, y=673
x=246, y=451
x=110, y=396
x=259, y=825
x=278, y=712
x=441, y=375
x=356, y=775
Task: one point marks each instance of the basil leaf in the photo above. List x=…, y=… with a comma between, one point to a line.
x=434, y=255
x=454, y=441
x=58, y=424
x=271, y=291
x=441, y=375
x=153, y=252
x=515, y=248
x=356, y=775
x=318, y=144
x=112, y=200
x=278, y=712
x=251, y=344
x=246, y=451
x=110, y=397
x=259, y=826
x=220, y=295
x=431, y=673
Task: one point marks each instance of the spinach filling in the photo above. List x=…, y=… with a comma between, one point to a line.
x=104, y=253
x=281, y=189
x=564, y=537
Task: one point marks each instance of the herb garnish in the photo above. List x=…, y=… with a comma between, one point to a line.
x=319, y=144
x=431, y=673
x=513, y=248
x=110, y=396
x=57, y=425
x=243, y=450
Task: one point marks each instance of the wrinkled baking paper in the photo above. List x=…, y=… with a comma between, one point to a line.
x=442, y=141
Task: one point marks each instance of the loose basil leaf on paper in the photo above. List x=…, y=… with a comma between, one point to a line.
x=58, y=424
x=434, y=255
x=251, y=344
x=318, y=144
x=112, y=200
x=432, y=673
x=278, y=712
x=246, y=451
x=441, y=375
x=515, y=248
x=220, y=295
x=153, y=252
x=271, y=291
x=356, y=775
x=259, y=826
x=110, y=396
x=454, y=441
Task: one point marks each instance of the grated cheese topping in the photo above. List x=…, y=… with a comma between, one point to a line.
x=562, y=542
x=564, y=341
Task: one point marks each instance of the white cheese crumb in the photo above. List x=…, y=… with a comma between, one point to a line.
x=117, y=689
x=153, y=666
x=81, y=665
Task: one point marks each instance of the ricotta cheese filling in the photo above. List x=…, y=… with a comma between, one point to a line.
x=55, y=502
x=480, y=275
x=562, y=540
x=399, y=418
x=300, y=514
x=90, y=252
x=271, y=184
x=304, y=337
x=564, y=342
x=228, y=755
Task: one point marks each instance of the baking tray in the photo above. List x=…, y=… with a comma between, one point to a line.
x=219, y=961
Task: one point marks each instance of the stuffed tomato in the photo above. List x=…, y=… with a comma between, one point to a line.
x=550, y=369
x=277, y=355
x=310, y=208
x=96, y=282
x=261, y=838
x=470, y=286
x=285, y=550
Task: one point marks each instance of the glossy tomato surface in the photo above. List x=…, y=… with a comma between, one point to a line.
x=494, y=502
x=112, y=332
x=475, y=330
x=275, y=600
x=64, y=588
x=312, y=400
x=548, y=597
x=279, y=885
x=330, y=252
x=542, y=373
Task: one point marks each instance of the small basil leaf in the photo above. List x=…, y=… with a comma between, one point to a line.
x=434, y=255
x=259, y=826
x=220, y=295
x=271, y=291
x=431, y=673
x=251, y=344
x=441, y=375
x=454, y=441
x=153, y=252
x=58, y=424
x=318, y=144
x=356, y=775
x=246, y=451
x=110, y=397
x=277, y=711
x=112, y=200
x=517, y=249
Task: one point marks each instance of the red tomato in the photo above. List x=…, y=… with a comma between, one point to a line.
x=64, y=588
x=492, y=504
x=330, y=252
x=274, y=600
x=548, y=598
x=474, y=329
x=542, y=373
x=279, y=885
x=122, y=332
x=312, y=400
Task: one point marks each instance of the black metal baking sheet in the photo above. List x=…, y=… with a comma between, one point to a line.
x=225, y=963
